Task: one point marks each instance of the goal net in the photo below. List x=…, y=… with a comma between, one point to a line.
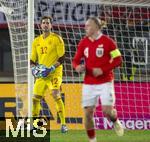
x=16, y=14
x=127, y=22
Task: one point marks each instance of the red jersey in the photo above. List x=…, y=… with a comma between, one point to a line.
x=97, y=55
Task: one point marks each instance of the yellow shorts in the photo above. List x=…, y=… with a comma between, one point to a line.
x=53, y=81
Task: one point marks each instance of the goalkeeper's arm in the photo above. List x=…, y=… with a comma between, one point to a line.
x=32, y=63
x=59, y=61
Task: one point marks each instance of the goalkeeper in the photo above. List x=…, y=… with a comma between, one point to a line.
x=47, y=57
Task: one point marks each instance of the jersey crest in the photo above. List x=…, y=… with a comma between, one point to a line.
x=100, y=51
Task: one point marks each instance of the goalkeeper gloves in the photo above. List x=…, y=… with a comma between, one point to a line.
x=36, y=71
x=41, y=71
x=47, y=71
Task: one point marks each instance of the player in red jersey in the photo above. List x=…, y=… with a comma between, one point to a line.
x=101, y=56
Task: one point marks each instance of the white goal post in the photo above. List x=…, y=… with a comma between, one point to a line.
x=127, y=22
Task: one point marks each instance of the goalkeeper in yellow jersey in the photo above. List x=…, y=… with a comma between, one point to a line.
x=47, y=57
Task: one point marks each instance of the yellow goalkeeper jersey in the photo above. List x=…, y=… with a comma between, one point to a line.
x=47, y=51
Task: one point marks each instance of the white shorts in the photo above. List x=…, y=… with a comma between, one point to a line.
x=92, y=93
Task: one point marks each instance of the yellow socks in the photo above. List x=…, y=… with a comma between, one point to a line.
x=36, y=107
x=61, y=110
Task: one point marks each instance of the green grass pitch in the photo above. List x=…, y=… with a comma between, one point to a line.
x=102, y=136
x=80, y=136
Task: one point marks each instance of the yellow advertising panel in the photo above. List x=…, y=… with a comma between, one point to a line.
x=71, y=94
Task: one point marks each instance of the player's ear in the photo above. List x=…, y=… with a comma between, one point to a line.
x=51, y=19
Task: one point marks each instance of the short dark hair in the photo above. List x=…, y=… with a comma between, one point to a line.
x=46, y=17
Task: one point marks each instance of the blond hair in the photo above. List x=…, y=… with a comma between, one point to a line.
x=100, y=23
